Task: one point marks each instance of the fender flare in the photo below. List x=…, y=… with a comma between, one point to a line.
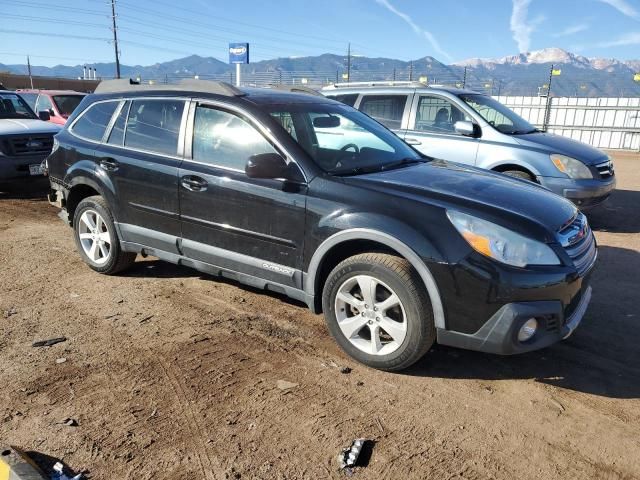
x=389, y=241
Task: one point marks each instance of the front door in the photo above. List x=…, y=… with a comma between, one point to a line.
x=431, y=130
x=250, y=226
x=140, y=159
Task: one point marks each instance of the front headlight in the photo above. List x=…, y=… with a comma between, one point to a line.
x=570, y=166
x=501, y=244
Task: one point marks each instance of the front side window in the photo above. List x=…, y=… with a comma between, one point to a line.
x=344, y=141
x=153, y=125
x=387, y=109
x=223, y=139
x=93, y=122
x=30, y=98
x=67, y=103
x=12, y=106
x=497, y=115
x=438, y=115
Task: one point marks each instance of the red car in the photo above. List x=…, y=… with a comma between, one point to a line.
x=59, y=103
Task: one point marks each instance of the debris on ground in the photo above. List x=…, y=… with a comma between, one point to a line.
x=59, y=474
x=70, y=422
x=60, y=360
x=284, y=385
x=11, y=311
x=348, y=457
x=345, y=370
x=48, y=343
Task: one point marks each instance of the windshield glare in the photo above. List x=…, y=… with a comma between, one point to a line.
x=12, y=106
x=67, y=103
x=497, y=115
x=342, y=140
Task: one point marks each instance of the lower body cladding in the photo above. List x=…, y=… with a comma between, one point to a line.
x=584, y=193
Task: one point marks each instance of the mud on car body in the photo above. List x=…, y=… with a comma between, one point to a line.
x=396, y=249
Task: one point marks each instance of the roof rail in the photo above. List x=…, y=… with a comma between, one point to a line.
x=381, y=83
x=190, y=84
x=295, y=89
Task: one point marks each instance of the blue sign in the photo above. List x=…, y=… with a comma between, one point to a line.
x=238, y=53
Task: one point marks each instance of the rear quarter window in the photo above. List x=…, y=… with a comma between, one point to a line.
x=347, y=99
x=94, y=121
x=386, y=109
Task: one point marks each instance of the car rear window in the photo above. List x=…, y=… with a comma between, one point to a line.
x=93, y=122
x=347, y=99
x=386, y=109
x=67, y=103
x=154, y=125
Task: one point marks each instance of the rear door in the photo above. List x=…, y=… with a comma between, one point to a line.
x=140, y=158
x=431, y=130
x=250, y=226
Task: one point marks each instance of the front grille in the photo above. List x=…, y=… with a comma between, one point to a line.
x=578, y=241
x=605, y=169
x=29, y=145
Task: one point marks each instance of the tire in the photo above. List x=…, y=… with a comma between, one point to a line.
x=345, y=309
x=519, y=174
x=99, y=246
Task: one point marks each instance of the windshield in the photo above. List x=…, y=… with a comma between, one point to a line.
x=342, y=140
x=12, y=106
x=67, y=103
x=497, y=115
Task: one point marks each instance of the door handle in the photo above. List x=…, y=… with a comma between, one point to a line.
x=193, y=183
x=109, y=164
x=412, y=141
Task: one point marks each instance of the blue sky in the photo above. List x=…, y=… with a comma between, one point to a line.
x=73, y=31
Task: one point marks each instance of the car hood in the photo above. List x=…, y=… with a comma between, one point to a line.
x=557, y=144
x=495, y=197
x=13, y=126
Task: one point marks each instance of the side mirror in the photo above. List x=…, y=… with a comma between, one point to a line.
x=468, y=129
x=44, y=115
x=266, y=165
x=51, y=112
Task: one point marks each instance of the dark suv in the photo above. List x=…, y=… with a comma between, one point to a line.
x=309, y=197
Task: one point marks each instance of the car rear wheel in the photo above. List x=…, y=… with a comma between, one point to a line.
x=96, y=237
x=378, y=310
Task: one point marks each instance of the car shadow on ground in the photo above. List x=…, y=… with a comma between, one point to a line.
x=35, y=189
x=602, y=357
x=46, y=462
x=155, y=268
x=619, y=214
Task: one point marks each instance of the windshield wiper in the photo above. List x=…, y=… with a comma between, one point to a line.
x=402, y=163
x=378, y=168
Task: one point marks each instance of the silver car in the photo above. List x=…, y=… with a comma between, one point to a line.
x=472, y=128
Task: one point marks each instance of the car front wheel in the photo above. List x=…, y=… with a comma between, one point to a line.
x=377, y=309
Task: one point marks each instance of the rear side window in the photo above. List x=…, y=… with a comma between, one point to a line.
x=386, y=109
x=93, y=122
x=223, y=139
x=117, y=132
x=153, y=125
x=347, y=99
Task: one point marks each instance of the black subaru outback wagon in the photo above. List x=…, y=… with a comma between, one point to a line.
x=306, y=196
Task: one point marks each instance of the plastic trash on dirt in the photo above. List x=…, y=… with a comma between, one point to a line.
x=348, y=458
x=58, y=473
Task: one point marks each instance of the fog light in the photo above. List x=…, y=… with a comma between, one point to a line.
x=528, y=330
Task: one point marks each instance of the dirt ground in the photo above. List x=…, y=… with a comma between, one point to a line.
x=173, y=375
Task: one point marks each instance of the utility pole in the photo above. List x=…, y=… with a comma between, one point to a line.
x=115, y=37
x=547, y=113
x=411, y=71
x=464, y=78
x=29, y=70
x=349, y=62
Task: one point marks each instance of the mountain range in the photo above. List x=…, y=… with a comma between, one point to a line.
x=520, y=74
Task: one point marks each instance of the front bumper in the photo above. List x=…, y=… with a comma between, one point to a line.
x=584, y=193
x=12, y=168
x=500, y=334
